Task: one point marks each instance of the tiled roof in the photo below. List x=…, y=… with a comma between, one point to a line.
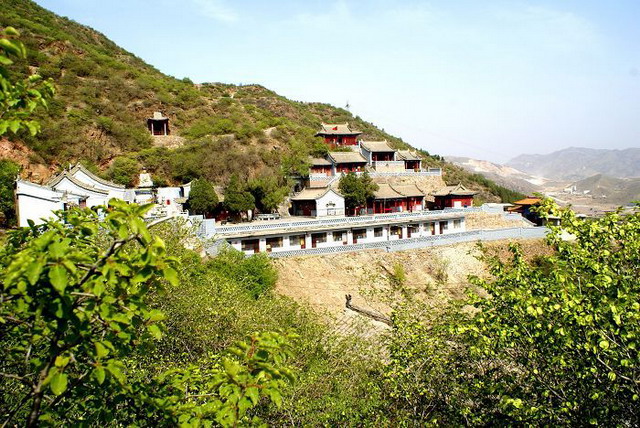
x=528, y=201
x=80, y=168
x=58, y=178
x=385, y=191
x=458, y=190
x=409, y=190
x=407, y=155
x=336, y=129
x=312, y=193
x=346, y=157
x=319, y=162
x=377, y=146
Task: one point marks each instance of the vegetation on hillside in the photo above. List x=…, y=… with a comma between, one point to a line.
x=105, y=322
x=105, y=95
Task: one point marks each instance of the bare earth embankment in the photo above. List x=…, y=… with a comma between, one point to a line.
x=436, y=274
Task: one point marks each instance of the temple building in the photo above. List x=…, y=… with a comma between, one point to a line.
x=377, y=151
x=347, y=162
x=318, y=202
x=453, y=197
x=158, y=124
x=396, y=198
x=338, y=134
x=412, y=162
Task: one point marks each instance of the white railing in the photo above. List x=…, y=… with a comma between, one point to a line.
x=387, y=163
x=435, y=172
x=425, y=241
x=337, y=221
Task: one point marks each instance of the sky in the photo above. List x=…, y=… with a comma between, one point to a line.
x=483, y=79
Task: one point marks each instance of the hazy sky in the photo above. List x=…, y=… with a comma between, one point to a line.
x=485, y=79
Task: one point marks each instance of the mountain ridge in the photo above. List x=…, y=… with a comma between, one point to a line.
x=577, y=163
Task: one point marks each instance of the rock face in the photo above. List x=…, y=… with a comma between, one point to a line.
x=23, y=156
x=577, y=163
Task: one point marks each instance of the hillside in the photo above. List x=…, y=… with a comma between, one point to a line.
x=503, y=175
x=577, y=163
x=612, y=190
x=104, y=95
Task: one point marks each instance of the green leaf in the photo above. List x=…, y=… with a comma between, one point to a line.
x=58, y=383
x=156, y=315
x=61, y=361
x=155, y=331
x=275, y=396
x=253, y=393
x=171, y=275
x=101, y=350
x=99, y=373
x=58, y=277
x=34, y=269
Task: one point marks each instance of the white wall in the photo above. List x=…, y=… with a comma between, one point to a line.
x=330, y=204
x=36, y=202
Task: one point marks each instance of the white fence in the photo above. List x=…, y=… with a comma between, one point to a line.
x=408, y=173
x=347, y=221
x=425, y=241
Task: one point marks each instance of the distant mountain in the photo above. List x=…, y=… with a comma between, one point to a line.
x=618, y=191
x=503, y=175
x=576, y=163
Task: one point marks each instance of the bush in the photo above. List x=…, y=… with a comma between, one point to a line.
x=9, y=171
x=124, y=171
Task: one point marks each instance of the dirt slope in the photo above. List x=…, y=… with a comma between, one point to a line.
x=435, y=274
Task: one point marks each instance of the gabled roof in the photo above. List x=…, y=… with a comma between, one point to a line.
x=313, y=193
x=408, y=155
x=336, y=129
x=80, y=168
x=528, y=201
x=409, y=190
x=385, y=191
x=346, y=157
x=377, y=146
x=458, y=190
x=67, y=175
x=319, y=162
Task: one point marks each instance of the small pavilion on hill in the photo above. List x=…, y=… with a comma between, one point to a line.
x=338, y=134
x=158, y=124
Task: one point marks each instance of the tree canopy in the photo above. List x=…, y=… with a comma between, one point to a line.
x=202, y=197
x=236, y=196
x=555, y=343
x=357, y=190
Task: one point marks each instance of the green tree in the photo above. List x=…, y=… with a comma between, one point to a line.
x=357, y=190
x=202, y=197
x=76, y=306
x=268, y=192
x=8, y=173
x=236, y=196
x=19, y=98
x=124, y=171
x=73, y=307
x=556, y=343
